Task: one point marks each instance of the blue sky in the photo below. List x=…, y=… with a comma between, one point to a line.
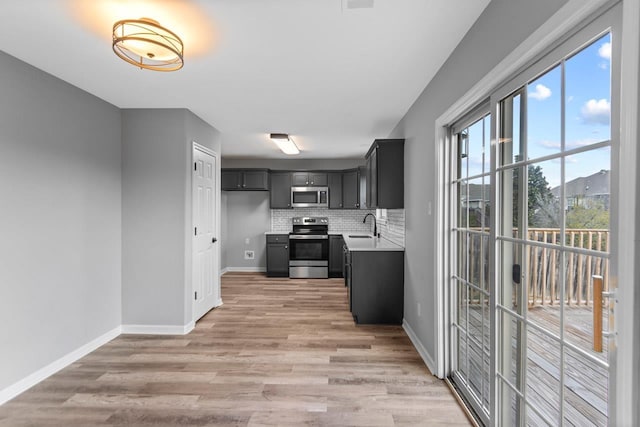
x=587, y=116
x=587, y=110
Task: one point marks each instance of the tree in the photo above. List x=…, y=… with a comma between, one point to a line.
x=541, y=205
x=591, y=215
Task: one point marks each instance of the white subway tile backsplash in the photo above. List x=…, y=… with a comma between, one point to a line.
x=394, y=228
x=344, y=220
x=340, y=221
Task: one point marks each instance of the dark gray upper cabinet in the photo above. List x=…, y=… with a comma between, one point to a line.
x=256, y=180
x=351, y=189
x=344, y=189
x=385, y=174
x=362, y=172
x=335, y=190
x=303, y=179
x=280, y=194
x=245, y=179
x=319, y=179
x=230, y=179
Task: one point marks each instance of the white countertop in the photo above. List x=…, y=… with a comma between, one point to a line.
x=372, y=244
x=276, y=232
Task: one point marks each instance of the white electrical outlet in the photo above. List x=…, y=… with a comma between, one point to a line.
x=419, y=309
x=247, y=241
x=249, y=255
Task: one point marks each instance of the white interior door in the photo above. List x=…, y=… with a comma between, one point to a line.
x=205, y=277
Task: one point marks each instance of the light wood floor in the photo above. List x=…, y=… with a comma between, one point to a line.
x=278, y=352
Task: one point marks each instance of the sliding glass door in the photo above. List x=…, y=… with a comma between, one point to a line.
x=532, y=191
x=552, y=242
x=470, y=281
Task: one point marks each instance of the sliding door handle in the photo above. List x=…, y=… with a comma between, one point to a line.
x=515, y=273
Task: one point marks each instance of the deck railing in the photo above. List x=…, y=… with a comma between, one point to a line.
x=544, y=265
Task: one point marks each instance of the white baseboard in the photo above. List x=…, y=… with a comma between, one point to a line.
x=224, y=270
x=244, y=269
x=66, y=360
x=158, y=329
x=218, y=303
x=424, y=354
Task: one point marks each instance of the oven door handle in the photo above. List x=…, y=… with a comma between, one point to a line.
x=309, y=237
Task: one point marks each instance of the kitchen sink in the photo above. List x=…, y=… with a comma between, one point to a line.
x=353, y=236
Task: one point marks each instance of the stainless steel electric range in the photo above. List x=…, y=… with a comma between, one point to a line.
x=309, y=248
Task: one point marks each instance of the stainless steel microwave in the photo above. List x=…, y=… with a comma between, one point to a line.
x=310, y=197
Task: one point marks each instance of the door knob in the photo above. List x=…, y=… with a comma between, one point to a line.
x=213, y=240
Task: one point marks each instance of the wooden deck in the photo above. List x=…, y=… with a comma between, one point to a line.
x=278, y=352
x=586, y=384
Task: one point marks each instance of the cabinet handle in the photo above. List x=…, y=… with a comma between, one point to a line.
x=286, y=247
x=357, y=205
x=340, y=204
x=311, y=182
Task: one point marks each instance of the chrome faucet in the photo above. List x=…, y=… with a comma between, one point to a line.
x=375, y=226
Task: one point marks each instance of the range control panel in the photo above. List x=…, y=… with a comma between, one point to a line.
x=310, y=220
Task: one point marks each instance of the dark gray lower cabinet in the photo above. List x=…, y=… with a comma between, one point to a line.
x=277, y=255
x=376, y=286
x=336, y=258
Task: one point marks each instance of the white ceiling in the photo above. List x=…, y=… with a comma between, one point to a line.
x=334, y=78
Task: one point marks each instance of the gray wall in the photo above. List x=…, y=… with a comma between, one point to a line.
x=248, y=217
x=247, y=214
x=156, y=213
x=503, y=25
x=223, y=228
x=60, y=194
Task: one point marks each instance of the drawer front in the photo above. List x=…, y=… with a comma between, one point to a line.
x=277, y=238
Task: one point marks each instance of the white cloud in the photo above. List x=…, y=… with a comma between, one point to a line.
x=549, y=144
x=570, y=98
x=596, y=112
x=581, y=143
x=475, y=160
x=605, y=51
x=541, y=93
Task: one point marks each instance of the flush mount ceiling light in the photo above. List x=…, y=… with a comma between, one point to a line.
x=285, y=143
x=146, y=44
